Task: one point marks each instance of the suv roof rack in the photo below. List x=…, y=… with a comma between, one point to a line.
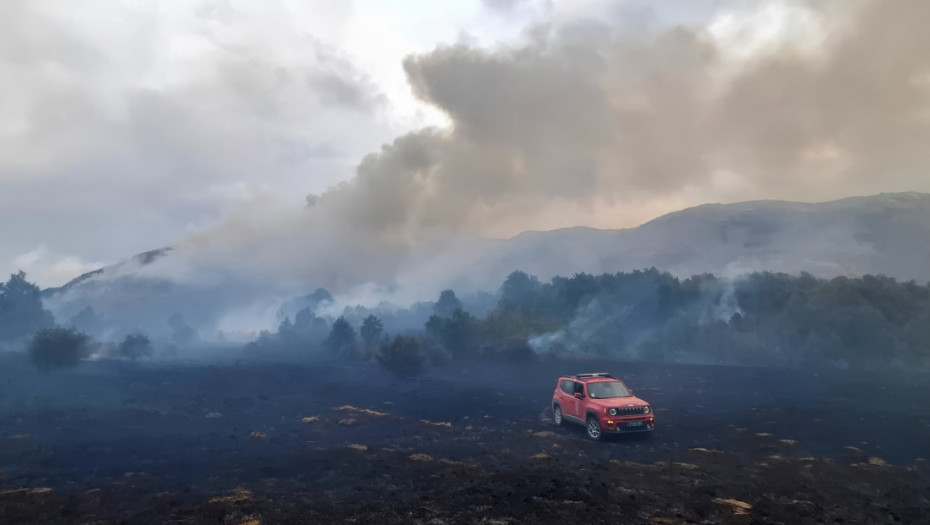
x=593, y=375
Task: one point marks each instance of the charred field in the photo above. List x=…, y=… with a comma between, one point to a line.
x=257, y=442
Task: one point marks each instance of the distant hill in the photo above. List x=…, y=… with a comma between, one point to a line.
x=883, y=234
x=135, y=261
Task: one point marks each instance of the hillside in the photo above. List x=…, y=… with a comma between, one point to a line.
x=882, y=234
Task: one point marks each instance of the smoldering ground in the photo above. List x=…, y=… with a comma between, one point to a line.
x=249, y=434
x=303, y=436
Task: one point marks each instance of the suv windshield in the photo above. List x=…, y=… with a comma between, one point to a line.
x=607, y=390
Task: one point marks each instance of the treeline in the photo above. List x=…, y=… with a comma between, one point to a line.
x=760, y=318
x=757, y=319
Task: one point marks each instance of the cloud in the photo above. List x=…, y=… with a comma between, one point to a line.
x=127, y=127
x=49, y=267
x=505, y=6
x=587, y=122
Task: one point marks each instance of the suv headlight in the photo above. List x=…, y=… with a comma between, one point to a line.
x=612, y=411
x=646, y=410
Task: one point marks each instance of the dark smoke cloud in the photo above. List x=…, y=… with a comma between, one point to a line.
x=586, y=121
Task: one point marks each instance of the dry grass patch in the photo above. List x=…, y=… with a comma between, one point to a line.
x=237, y=498
x=437, y=424
x=702, y=450
x=360, y=411
x=737, y=507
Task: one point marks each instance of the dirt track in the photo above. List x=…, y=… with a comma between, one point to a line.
x=467, y=442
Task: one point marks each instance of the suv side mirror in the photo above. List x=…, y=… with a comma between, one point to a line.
x=631, y=391
x=578, y=395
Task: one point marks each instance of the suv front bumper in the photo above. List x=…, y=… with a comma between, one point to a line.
x=625, y=425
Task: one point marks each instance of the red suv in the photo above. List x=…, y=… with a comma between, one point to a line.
x=602, y=403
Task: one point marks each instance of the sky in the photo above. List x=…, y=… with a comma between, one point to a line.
x=301, y=140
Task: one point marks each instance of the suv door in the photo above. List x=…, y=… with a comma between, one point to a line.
x=565, y=392
x=576, y=403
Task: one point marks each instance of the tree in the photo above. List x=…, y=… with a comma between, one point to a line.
x=341, y=336
x=447, y=304
x=403, y=357
x=57, y=348
x=458, y=334
x=135, y=346
x=371, y=330
x=21, y=311
x=519, y=292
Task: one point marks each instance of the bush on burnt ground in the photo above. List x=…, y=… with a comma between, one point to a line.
x=58, y=348
x=459, y=333
x=403, y=357
x=135, y=346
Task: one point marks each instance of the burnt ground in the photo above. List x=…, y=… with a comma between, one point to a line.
x=250, y=443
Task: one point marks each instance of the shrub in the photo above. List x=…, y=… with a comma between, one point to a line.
x=135, y=346
x=402, y=357
x=57, y=348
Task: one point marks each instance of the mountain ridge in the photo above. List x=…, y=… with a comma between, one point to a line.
x=886, y=233
x=737, y=214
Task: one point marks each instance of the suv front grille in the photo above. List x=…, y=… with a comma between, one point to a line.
x=631, y=411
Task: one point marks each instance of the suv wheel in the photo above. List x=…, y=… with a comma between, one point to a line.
x=594, y=428
x=557, y=415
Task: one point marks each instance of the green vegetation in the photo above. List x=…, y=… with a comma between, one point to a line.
x=371, y=330
x=135, y=346
x=341, y=337
x=757, y=319
x=57, y=348
x=761, y=318
x=403, y=357
x=21, y=311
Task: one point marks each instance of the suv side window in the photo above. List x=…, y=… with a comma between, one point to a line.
x=568, y=386
x=579, y=389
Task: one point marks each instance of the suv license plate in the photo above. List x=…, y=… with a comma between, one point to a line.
x=634, y=424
